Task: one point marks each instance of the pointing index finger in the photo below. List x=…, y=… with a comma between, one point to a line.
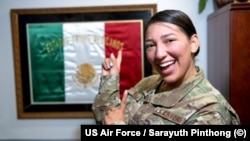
x=124, y=100
x=119, y=57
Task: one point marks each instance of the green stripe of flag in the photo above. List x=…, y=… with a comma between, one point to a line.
x=46, y=62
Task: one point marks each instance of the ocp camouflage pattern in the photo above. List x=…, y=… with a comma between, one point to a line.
x=195, y=102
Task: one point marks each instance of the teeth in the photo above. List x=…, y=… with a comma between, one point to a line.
x=166, y=64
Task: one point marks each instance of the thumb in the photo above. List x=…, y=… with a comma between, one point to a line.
x=117, y=61
x=124, y=100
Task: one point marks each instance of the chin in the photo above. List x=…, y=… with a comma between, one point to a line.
x=169, y=79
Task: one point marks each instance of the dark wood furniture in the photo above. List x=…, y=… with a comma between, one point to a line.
x=229, y=55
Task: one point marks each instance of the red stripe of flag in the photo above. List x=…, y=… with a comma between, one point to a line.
x=129, y=36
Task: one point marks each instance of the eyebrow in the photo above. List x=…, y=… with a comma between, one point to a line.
x=166, y=35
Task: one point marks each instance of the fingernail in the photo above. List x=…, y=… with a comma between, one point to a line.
x=126, y=92
x=112, y=55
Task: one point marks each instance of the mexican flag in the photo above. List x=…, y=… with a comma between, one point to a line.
x=65, y=58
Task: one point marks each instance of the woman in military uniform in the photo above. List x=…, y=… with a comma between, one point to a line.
x=178, y=94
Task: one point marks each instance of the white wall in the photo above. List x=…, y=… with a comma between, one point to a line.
x=66, y=129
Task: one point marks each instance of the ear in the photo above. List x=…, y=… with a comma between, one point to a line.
x=195, y=44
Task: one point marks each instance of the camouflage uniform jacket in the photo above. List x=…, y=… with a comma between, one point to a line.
x=195, y=102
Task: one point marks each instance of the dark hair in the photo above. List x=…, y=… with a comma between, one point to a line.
x=177, y=18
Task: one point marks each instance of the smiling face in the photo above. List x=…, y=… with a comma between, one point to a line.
x=171, y=52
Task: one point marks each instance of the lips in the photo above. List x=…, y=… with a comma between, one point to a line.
x=167, y=67
x=166, y=64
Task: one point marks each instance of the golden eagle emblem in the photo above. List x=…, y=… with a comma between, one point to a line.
x=85, y=76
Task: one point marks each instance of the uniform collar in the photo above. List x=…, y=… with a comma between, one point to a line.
x=170, y=98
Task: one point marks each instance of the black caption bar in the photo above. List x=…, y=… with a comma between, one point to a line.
x=170, y=131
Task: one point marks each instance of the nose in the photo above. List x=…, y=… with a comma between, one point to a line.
x=160, y=52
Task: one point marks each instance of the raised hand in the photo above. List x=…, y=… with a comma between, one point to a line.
x=112, y=65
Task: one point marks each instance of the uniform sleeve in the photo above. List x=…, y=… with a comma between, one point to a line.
x=214, y=114
x=108, y=96
x=212, y=118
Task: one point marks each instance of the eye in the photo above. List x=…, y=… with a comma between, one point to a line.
x=168, y=40
x=149, y=45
